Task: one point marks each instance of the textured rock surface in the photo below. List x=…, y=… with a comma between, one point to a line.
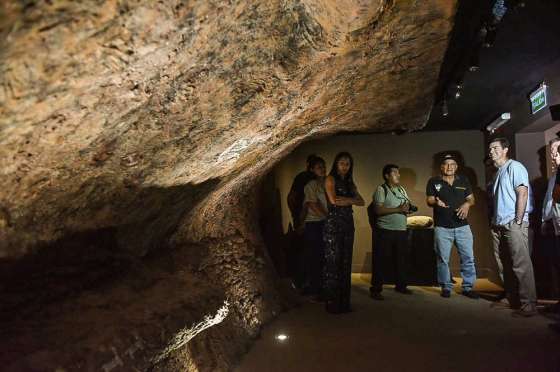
x=133, y=135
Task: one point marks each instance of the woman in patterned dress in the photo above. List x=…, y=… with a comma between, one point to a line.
x=342, y=193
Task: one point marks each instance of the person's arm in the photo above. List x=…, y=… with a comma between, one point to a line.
x=292, y=198
x=358, y=200
x=329, y=188
x=379, y=201
x=432, y=201
x=303, y=215
x=463, y=210
x=381, y=210
x=556, y=194
x=556, y=190
x=522, y=194
x=520, y=180
x=346, y=201
x=431, y=196
x=316, y=208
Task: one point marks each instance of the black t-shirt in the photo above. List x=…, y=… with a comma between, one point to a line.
x=558, y=177
x=452, y=195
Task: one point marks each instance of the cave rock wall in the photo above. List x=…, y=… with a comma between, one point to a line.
x=133, y=136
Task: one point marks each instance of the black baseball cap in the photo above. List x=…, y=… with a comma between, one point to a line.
x=448, y=157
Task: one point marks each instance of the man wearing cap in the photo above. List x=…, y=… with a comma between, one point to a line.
x=450, y=195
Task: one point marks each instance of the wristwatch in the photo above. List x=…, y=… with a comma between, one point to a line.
x=518, y=221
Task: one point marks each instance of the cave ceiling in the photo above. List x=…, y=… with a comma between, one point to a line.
x=104, y=106
x=525, y=48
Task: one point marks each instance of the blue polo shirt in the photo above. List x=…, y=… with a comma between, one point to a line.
x=508, y=177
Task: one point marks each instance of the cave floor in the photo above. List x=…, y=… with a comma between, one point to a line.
x=422, y=332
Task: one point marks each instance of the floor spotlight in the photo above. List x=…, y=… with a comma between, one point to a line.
x=281, y=337
x=474, y=64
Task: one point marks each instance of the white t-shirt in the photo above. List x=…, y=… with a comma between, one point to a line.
x=314, y=192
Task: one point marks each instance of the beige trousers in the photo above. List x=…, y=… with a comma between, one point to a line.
x=511, y=250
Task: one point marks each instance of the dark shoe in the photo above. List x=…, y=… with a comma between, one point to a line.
x=501, y=304
x=317, y=299
x=445, y=293
x=526, y=311
x=377, y=296
x=552, y=309
x=471, y=294
x=555, y=327
x=405, y=291
x=502, y=295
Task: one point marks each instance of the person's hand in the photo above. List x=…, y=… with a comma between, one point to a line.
x=440, y=203
x=544, y=228
x=343, y=201
x=405, y=208
x=463, y=211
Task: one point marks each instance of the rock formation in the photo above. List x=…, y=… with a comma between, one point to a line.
x=133, y=136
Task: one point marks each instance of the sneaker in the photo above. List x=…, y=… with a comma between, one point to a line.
x=405, y=291
x=471, y=294
x=445, y=293
x=526, y=311
x=377, y=296
x=501, y=304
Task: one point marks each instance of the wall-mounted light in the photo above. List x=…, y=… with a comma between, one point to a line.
x=281, y=337
x=444, y=108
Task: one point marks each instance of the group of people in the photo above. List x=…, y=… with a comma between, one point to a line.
x=321, y=207
x=325, y=213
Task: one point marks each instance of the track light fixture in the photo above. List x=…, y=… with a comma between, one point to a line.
x=498, y=122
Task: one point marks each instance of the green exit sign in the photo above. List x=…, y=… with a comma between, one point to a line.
x=538, y=99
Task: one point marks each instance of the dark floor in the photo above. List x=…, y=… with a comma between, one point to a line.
x=422, y=332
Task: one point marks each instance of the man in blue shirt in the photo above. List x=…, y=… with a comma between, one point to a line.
x=510, y=224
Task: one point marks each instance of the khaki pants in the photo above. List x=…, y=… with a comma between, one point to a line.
x=511, y=250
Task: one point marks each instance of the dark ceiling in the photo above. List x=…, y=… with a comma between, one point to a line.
x=527, y=44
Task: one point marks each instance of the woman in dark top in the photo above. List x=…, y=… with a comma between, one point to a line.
x=339, y=233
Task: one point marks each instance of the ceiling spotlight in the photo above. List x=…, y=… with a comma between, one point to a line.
x=498, y=122
x=474, y=64
x=444, y=108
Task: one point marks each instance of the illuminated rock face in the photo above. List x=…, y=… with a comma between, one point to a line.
x=133, y=135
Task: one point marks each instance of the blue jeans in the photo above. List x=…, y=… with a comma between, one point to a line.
x=463, y=239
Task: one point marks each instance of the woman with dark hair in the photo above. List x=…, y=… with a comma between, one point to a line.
x=342, y=193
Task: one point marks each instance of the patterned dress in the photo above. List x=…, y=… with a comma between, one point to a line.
x=339, y=242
